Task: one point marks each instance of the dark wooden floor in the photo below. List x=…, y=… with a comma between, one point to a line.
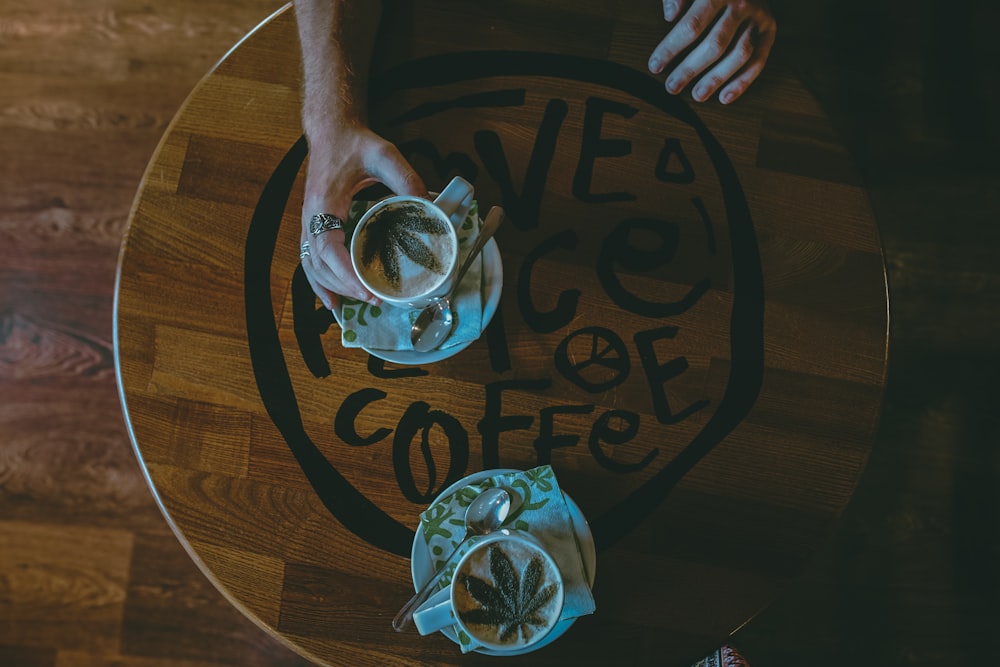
x=90, y=574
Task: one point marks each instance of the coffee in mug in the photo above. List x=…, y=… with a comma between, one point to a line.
x=406, y=249
x=506, y=594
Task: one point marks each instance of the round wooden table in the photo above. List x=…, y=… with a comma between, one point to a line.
x=692, y=331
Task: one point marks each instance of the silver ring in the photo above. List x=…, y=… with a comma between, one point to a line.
x=324, y=222
x=304, y=250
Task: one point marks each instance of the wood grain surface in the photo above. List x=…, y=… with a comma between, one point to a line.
x=692, y=331
x=90, y=574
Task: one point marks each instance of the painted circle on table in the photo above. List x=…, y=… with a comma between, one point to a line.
x=346, y=502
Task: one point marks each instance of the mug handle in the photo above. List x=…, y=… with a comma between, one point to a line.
x=434, y=614
x=456, y=200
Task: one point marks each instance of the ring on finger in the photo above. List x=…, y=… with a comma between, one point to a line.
x=304, y=250
x=324, y=222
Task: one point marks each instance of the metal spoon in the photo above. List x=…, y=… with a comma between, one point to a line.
x=485, y=514
x=436, y=321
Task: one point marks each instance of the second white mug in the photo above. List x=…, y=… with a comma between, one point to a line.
x=506, y=594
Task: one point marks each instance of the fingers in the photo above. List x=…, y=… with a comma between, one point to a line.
x=723, y=70
x=698, y=18
x=711, y=47
x=389, y=166
x=328, y=298
x=329, y=270
x=752, y=70
x=723, y=44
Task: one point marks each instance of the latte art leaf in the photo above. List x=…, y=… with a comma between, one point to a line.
x=421, y=223
x=510, y=603
x=389, y=257
x=398, y=232
x=417, y=250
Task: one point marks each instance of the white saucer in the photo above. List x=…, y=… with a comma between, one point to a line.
x=421, y=568
x=493, y=273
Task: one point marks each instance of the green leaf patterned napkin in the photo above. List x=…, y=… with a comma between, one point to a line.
x=387, y=327
x=543, y=513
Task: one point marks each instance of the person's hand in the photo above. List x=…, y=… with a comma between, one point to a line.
x=729, y=42
x=350, y=160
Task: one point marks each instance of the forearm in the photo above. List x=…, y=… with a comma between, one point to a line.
x=337, y=37
x=345, y=155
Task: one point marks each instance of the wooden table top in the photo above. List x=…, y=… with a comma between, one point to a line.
x=692, y=331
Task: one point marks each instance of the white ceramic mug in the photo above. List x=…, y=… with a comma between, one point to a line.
x=504, y=606
x=404, y=249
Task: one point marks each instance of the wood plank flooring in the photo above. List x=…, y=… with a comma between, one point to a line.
x=90, y=574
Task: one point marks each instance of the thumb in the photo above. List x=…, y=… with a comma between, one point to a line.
x=392, y=169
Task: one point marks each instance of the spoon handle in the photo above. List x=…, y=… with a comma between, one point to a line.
x=489, y=228
x=405, y=615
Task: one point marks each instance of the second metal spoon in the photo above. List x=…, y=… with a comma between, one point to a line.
x=484, y=515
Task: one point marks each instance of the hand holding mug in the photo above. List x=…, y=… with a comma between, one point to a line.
x=349, y=160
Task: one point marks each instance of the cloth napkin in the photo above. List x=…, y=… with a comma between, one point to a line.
x=543, y=513
x=387, y=327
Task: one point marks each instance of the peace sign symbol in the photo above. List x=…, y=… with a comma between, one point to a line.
x=593, y=358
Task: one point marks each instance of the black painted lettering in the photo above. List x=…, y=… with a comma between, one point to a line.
x=347, y=415
x=565, y=309
x=376, y=367
x=489, y=99
x=593, y=146
x=657, y=375
x=418, y=418
x=496, y=343
x=523, y=209
x=349, y=505
x=548, y=439
x=595, y=359
x=620, y=252
x=603, y=432
x=494, y=422
x=672, y=148
x=310, y=324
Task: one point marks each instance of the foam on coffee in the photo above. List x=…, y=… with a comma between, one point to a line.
x=508, y=594
x=404, y=250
